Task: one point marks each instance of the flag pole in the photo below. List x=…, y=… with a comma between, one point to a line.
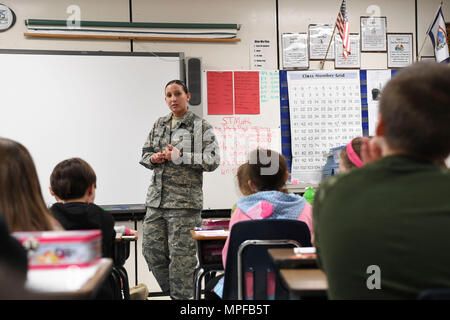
x=427, y=35
x=322, y=63
x=420, y=51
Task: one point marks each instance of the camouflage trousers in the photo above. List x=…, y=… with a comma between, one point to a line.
x=169, y=249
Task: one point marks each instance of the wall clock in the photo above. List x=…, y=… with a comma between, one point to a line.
x=7, y=18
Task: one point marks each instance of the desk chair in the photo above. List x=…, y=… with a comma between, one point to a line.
x=119, y=273
x=207, y=269
x=116, y=284
x=248, y=258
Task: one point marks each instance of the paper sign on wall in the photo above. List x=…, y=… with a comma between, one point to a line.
x=220, y=92
x=262, y=55
x=246, y=92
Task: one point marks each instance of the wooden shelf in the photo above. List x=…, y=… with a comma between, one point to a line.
x=104, y=37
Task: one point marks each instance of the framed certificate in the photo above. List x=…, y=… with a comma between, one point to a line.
x=400, y=50
x=373, y=34
x=353, y=60
x=295, y=51
x=319, y=39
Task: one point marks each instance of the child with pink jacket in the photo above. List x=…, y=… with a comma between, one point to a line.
x=266, y=174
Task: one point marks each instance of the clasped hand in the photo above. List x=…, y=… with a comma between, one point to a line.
x=170, y=153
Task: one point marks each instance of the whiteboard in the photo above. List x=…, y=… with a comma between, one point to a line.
x=237, y=135
x=99, y=106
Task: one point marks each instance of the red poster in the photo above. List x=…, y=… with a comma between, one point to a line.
x=220, y=92
x=246, y=92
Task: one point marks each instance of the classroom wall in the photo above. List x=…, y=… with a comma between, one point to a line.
x=257, y=17
x=296, y=16
x=109, y=10
x=258, y=20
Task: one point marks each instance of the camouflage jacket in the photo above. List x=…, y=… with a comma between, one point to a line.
x=178, y=184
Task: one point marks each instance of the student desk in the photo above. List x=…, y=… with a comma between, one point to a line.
x=69, y=283
x=299, y=273
x=285, y=258
x=305, y=282
x=128, y=212
x=209, y=245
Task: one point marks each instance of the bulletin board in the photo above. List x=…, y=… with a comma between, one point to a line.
x=346, y=106
x=244, y=109
x=324, y=109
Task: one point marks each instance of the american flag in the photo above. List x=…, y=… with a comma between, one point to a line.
x=342, y=26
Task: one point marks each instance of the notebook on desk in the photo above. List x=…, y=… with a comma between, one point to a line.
x=215, y=224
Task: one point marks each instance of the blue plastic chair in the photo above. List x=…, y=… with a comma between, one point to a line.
x=249, y=241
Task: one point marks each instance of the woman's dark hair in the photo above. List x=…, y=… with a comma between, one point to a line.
x=71, y=178
x=21, y=201
x=180, y=83
x=267, y=170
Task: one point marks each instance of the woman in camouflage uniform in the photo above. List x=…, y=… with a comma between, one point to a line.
x=178, y=149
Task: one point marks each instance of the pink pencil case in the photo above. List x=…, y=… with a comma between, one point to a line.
x=61, y=249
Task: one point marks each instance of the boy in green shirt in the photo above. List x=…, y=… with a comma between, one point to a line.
x=382, y=231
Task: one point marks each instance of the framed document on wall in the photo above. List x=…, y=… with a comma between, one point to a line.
x=373, y=34
x=400, y=50
x=319, y=39
x=353, y=60
x=295, y=51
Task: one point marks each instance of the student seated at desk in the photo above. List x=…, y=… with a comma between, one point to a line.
x=270, y=200
x=73, y=183
x=382, y=231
